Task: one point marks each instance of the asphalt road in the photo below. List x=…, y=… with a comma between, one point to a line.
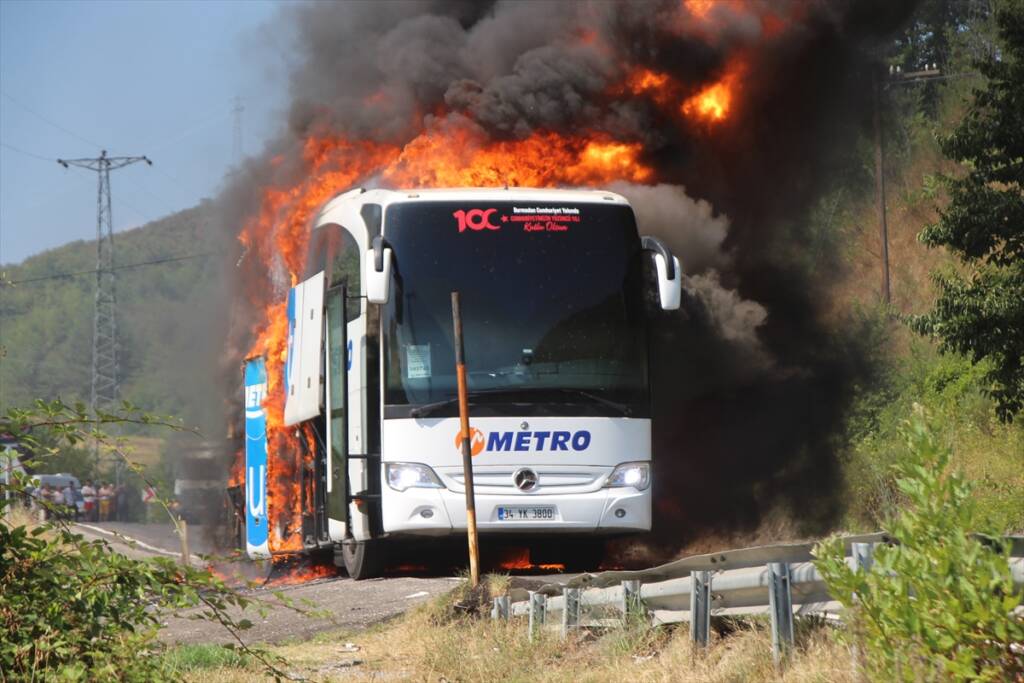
x=348, y=604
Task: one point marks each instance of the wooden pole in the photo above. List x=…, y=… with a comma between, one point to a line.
x=183, y=535
x=9, y=464
x=467, y=454
x=883, y=226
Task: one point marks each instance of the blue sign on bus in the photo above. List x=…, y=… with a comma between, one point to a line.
x=256, y=542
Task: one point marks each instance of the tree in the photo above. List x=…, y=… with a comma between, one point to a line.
x=980, y=312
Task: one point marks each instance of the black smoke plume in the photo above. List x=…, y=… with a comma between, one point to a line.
x=751, y=388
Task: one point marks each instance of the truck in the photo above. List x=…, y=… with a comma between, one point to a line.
x=199, y=480
x=557, y=290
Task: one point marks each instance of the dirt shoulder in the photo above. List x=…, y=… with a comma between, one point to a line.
x=338, y=602
x=344, y=604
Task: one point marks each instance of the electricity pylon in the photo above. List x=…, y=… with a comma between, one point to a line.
x=105, y=349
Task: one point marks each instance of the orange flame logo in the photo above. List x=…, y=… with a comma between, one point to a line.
x=476, y=441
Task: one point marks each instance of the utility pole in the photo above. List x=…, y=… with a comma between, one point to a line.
x=237, y=110
x=105, y=351
x=896, y=76
x=880, y=193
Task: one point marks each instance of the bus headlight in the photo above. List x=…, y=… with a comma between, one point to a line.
x=408, y=475
x=635, y=474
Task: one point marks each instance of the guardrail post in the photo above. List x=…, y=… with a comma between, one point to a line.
x=863, y=558
x=780, y=601
x=504, y=607
x=863, y=555
x=632, y=606
x=700, y=607
x=538, y=613
x=501, y=608
x=570, y=610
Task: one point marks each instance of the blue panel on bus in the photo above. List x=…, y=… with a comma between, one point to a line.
x=255, y=459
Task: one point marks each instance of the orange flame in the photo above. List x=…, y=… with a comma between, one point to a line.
x=714, y=102
x=643, y=81
x=236, y=477
x=464, y=158
x=699, y=8
x=518, y=559
x=277, y=236
x=302, y=573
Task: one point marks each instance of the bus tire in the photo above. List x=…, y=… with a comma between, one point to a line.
x=363, y=559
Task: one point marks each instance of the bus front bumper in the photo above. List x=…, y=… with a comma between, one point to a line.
x=439, y=512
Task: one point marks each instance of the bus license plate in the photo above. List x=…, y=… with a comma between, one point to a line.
x=525, y=514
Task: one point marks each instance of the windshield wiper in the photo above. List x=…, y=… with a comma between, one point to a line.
x=618, y=407
x=428, y=408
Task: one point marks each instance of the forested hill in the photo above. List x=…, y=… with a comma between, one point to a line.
x=169, y=314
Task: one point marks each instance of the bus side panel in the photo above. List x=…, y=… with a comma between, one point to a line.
x=256, y=541
x=305, y=350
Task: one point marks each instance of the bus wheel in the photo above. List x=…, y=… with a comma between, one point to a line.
x=363, y=559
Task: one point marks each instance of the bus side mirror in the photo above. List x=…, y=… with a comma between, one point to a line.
x=670, y=274
x=377, y=271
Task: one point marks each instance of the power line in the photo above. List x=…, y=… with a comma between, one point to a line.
x=28, y=154
x=164, y=142
x=139, y=212
x=62, y=276
x=42, y=118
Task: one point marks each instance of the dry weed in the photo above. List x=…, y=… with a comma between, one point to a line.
x=421, y=647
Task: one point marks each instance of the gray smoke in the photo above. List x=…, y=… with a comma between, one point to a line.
x=697, y=235
x=690, y=226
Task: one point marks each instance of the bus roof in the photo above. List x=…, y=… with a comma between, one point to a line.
x=386, y=197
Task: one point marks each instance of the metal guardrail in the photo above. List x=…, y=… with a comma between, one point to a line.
x=780, y=581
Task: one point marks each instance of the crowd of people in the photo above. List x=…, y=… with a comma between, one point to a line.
x=104, y=502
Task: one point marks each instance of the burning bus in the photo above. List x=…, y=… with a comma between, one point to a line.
x=556, y=289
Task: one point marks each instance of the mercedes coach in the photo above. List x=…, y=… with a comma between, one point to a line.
x=556, y=288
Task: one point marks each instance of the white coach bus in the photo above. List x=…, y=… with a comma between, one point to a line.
x=555, y=288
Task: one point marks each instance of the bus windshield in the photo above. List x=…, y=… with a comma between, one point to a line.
x=552, y=308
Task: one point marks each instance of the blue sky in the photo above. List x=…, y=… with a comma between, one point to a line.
x=153, y=78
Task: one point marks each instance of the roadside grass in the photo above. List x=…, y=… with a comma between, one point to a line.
x=184, y=659
x=439, y=641
x=949, y=388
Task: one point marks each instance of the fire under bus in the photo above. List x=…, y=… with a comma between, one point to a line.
x=556, y=289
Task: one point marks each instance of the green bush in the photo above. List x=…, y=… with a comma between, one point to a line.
x=937, y=603
x=73, y=609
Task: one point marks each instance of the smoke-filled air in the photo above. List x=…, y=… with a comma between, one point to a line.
x=717, y=120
